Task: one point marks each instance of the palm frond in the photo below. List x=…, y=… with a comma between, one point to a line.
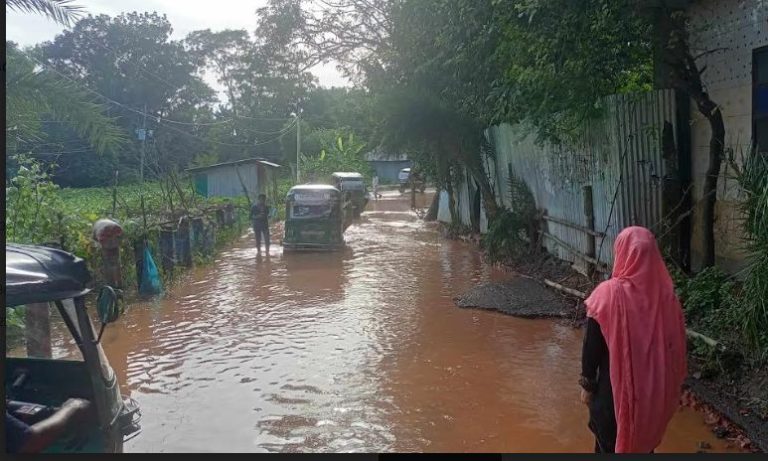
x=61, y=11
x=31, y=93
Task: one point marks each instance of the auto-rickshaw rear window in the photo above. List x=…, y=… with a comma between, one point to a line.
x=310, y=211
x=39, y=331
x=352, y=184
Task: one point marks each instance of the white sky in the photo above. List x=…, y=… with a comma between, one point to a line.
x=184, y=15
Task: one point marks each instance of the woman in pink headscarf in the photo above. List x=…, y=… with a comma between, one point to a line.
x=634, y=356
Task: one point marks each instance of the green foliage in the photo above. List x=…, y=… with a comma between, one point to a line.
x=711, y=302
x=340, y=152
x=510, y=232
x=130, y=63
x=602, y=46
x=33, y=92
x=506, y=237
x=754, y=182
x=14, y=327
x=708, y=298
x=39, y=212
x=33, y=206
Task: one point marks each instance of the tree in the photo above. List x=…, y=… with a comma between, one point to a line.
x=354, y=33
x=340, y=151
x=414, y=118
x=32, y=92
x=682, y=72
x=226, y=54
x=146, y=78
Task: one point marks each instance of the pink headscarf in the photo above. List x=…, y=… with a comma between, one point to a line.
x=642, y=322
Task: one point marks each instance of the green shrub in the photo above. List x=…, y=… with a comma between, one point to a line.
x=754, y=307
x=704, y=295
x=711, y=302
x=506, y=237
x=511, y=233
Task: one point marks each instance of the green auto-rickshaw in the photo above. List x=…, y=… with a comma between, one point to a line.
x=316, y=216
x=352, y=184
x=45, y=298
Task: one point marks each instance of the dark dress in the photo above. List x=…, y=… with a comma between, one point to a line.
x=596, y=379
x=260, y=222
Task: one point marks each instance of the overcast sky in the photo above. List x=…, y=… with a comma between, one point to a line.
x=184, y=15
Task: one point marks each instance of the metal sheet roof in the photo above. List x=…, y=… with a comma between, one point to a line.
x=263, y=161
x=347, y=175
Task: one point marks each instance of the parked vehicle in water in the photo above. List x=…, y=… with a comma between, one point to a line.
x=354, y=183
x=406, y=178
x=46, y=284
x=316, y=216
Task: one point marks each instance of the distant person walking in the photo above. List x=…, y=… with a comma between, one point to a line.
x=375, y=186
x=260, y=220
x=634, y=353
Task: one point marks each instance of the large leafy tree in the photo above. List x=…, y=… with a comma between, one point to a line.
x=265, y=86
x=353, y=33
x=133, y=66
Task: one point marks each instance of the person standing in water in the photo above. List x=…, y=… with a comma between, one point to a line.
x=260, y=221
x=375, y=187
x=634, y=353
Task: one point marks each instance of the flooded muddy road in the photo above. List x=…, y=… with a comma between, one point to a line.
x=361, y=350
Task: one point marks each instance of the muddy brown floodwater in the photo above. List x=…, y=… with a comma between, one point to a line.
x=360, y=350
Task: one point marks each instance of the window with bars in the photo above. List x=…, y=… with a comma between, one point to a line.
x=760, y=98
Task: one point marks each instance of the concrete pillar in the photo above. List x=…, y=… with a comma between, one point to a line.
x=108, y=234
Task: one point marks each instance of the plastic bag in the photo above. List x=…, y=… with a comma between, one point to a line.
x=150, y=283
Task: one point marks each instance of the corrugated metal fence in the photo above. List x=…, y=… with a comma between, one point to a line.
x=620, y=156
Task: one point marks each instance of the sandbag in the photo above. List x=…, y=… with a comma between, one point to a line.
x=150, y=283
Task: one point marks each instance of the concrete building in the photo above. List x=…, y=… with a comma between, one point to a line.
x=387, y=165
x=734, y=36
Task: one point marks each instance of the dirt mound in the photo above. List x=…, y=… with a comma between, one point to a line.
x=518, y=296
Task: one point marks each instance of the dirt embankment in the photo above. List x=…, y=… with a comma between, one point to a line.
x=519, y=296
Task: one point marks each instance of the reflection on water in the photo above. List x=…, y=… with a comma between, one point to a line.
x=360, y=350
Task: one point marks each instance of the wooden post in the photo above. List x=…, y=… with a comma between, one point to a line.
x=671, y=196
x=182, y=243
x=138, y=256
x=167, y=250
x=589, y=214
x=210, y=239
x=197, y=234
x=37, y=322
x=230, y=215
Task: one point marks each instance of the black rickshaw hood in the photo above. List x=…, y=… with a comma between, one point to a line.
x=35, y=274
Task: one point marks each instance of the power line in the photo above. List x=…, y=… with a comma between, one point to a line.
x=141, y=68
x=76, y=151
x=159, y=119
x=230, y=144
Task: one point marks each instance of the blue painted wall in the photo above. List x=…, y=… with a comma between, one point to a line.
x=387, y=170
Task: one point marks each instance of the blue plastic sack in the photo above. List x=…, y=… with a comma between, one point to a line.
x=150, y=283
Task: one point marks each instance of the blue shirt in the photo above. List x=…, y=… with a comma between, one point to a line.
x=16, y=433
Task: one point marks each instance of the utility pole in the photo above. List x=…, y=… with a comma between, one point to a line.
x=143, y=139
x=298, y=143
